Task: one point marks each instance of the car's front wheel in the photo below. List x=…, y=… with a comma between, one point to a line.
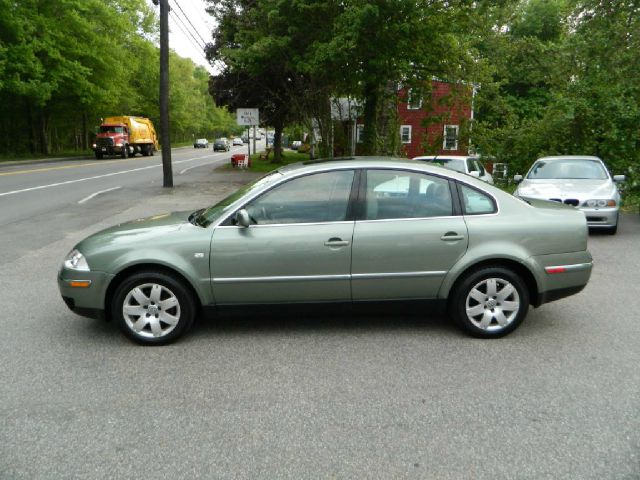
x=153, y=308
x=490, y=302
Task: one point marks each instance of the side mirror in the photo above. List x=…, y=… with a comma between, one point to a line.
x=242, y=218
x=619, y=178
x=475, y=173
x=517, y=178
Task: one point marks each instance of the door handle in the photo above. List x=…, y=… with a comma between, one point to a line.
x=336, y=242
x=451, y=237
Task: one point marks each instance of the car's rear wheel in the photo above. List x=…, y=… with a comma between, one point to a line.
x=490, y=302
x=153, y=308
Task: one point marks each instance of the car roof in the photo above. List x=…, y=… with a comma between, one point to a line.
x=569, y=157
x=377, y=162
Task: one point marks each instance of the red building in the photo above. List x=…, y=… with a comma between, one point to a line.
x=431, y=120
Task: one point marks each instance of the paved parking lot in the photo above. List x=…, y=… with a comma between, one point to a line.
x=324, y=397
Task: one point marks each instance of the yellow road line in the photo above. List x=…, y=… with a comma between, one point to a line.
x=48, y=169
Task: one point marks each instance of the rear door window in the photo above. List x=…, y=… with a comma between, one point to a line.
x=397, y=194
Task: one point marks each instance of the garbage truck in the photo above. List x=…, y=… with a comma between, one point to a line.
x=124, y=136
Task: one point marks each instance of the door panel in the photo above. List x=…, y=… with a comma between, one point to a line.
x=282, y=263
x=298, y=248
x=404, y=259
x=408, y=239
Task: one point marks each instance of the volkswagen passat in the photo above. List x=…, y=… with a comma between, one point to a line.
x=581, y=181
x=351, y=231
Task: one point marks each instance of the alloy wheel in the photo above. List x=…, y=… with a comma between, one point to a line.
x=492, y=304
x=151, y=310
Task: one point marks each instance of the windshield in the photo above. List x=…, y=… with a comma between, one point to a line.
x=208, y=215
x=111, y=129
x=576, y=169
x=450, y=163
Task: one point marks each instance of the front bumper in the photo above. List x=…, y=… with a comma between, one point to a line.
x=601, y=217
x=84, y=292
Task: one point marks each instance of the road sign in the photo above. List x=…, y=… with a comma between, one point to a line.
x=248, y=116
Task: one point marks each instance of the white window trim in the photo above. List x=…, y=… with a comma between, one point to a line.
x=410, y=136
x=444, y=137
x=359, y=129
x=409, y=107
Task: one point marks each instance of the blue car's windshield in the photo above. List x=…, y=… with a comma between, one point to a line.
x=568, y=169
x=207, y=216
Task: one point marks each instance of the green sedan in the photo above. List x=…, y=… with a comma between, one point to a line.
x=356, y=232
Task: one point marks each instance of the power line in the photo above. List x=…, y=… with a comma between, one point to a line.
x=186, y=31
x=187, y=18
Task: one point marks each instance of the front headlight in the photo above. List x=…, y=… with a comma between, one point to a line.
x=76, y=261
x=599, y=203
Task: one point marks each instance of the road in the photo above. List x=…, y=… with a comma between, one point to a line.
x=303, y=397
x=36, y=198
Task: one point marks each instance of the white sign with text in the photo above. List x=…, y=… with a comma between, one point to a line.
x=248, y=116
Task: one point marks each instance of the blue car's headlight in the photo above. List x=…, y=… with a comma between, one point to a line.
x=76, y=261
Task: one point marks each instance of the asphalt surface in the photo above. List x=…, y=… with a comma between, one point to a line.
x=40, y=201
x=307, y=397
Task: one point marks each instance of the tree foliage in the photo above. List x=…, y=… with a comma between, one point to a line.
x=563, y=80
x=64, y=64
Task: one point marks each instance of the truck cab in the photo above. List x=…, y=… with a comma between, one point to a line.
x=112, y=139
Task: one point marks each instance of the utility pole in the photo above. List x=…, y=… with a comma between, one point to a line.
x=167, y=173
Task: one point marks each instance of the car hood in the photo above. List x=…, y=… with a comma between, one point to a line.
x=581, y=189
x=143, y=230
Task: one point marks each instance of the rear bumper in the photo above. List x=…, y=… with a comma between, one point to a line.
x=561, y=275
x=552, y=295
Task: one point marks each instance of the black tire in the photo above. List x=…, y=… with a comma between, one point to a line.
x=124, y=153
x=99, y=155
x=473, y=292
x=169, y=290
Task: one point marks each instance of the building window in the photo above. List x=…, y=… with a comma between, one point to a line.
x=359, y=131
x=414, y=99
x=405, y=133
x=450, y=140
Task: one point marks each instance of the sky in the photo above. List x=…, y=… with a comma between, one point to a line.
x=179, y=28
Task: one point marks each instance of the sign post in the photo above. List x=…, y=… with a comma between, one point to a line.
x=248, y=117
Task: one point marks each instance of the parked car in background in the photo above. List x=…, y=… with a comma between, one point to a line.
x=221, y=144
x=356, y=231
x=580, y=181
x=237, y=141
x=470, y=165
x=201, y=143
x=296, y=144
